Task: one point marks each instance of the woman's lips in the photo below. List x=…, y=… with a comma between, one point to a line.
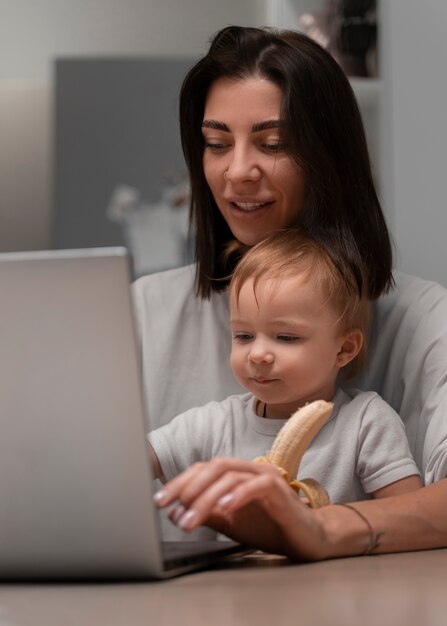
x=249, y=206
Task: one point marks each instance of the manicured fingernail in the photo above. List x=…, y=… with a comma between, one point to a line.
x=177, y=513
x=225, y=500
x=187, y=520
x=160, y=497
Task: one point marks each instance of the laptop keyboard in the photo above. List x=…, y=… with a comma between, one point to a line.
x=177, y=553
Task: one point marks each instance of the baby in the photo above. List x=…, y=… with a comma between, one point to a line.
x=298, y=333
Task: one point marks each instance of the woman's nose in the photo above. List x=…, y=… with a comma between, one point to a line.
x=243, y=167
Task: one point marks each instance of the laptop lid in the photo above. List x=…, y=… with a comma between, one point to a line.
x=75, y=477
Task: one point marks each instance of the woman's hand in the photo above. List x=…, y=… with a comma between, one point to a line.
x=247, y=501
x=251, y=503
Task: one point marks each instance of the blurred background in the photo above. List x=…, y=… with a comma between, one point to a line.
x=89, y=145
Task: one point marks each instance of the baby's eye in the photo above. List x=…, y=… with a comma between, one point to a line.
x=242, y=337
x=288, y=338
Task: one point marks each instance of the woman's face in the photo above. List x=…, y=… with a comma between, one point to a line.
x=257, y=186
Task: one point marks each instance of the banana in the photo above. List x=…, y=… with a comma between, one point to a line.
x=291, y=443
x=295, y=436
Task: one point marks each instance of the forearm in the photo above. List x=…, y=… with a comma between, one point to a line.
x=252, y=503
x=411, y=521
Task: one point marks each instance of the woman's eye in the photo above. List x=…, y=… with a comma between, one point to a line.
x=273, y=147
x=215, y=146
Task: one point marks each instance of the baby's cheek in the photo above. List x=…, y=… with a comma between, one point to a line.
x=235, y=359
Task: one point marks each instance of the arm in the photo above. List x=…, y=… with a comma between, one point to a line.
x=411, y=483
x=412, y=521
x=251, y=503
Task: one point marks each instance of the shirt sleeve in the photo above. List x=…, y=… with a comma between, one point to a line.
x=407, y=366
x=383, y=455
x=198, y=434
x=175, y=445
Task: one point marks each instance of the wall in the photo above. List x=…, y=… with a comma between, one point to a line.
x=417, y=91
x=32, y=35
x=25, y=176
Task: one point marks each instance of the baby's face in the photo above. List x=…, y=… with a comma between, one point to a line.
x=286, y=343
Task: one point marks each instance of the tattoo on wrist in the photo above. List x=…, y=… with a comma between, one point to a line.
x=373, y=538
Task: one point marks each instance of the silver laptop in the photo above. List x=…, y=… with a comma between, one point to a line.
x=75, y=479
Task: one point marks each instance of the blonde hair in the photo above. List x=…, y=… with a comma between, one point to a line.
x=292, y=253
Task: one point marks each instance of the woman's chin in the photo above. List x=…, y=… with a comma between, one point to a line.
x=250, y=239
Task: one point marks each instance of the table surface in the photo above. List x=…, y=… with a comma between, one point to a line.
x=396, y=589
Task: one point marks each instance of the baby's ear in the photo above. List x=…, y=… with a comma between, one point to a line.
x=352, y=342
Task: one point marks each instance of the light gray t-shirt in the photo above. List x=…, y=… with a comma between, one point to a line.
x=360, y=449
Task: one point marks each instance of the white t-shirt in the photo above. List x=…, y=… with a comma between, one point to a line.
x=185, y=344
x=360, y=449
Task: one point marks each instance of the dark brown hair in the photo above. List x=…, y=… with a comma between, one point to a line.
x=291, y=253
x=324, y=135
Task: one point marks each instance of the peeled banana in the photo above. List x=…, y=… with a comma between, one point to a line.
x=291, y=443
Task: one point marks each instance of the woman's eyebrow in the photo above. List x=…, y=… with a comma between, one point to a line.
x=256, y=128
x=267, y=125
x=215, y=125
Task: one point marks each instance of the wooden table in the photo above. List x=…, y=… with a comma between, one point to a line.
x=407, y=589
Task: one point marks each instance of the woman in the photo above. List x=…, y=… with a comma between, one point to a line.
x=273, y=139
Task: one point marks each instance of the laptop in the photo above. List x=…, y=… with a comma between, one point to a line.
x=75, y=478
